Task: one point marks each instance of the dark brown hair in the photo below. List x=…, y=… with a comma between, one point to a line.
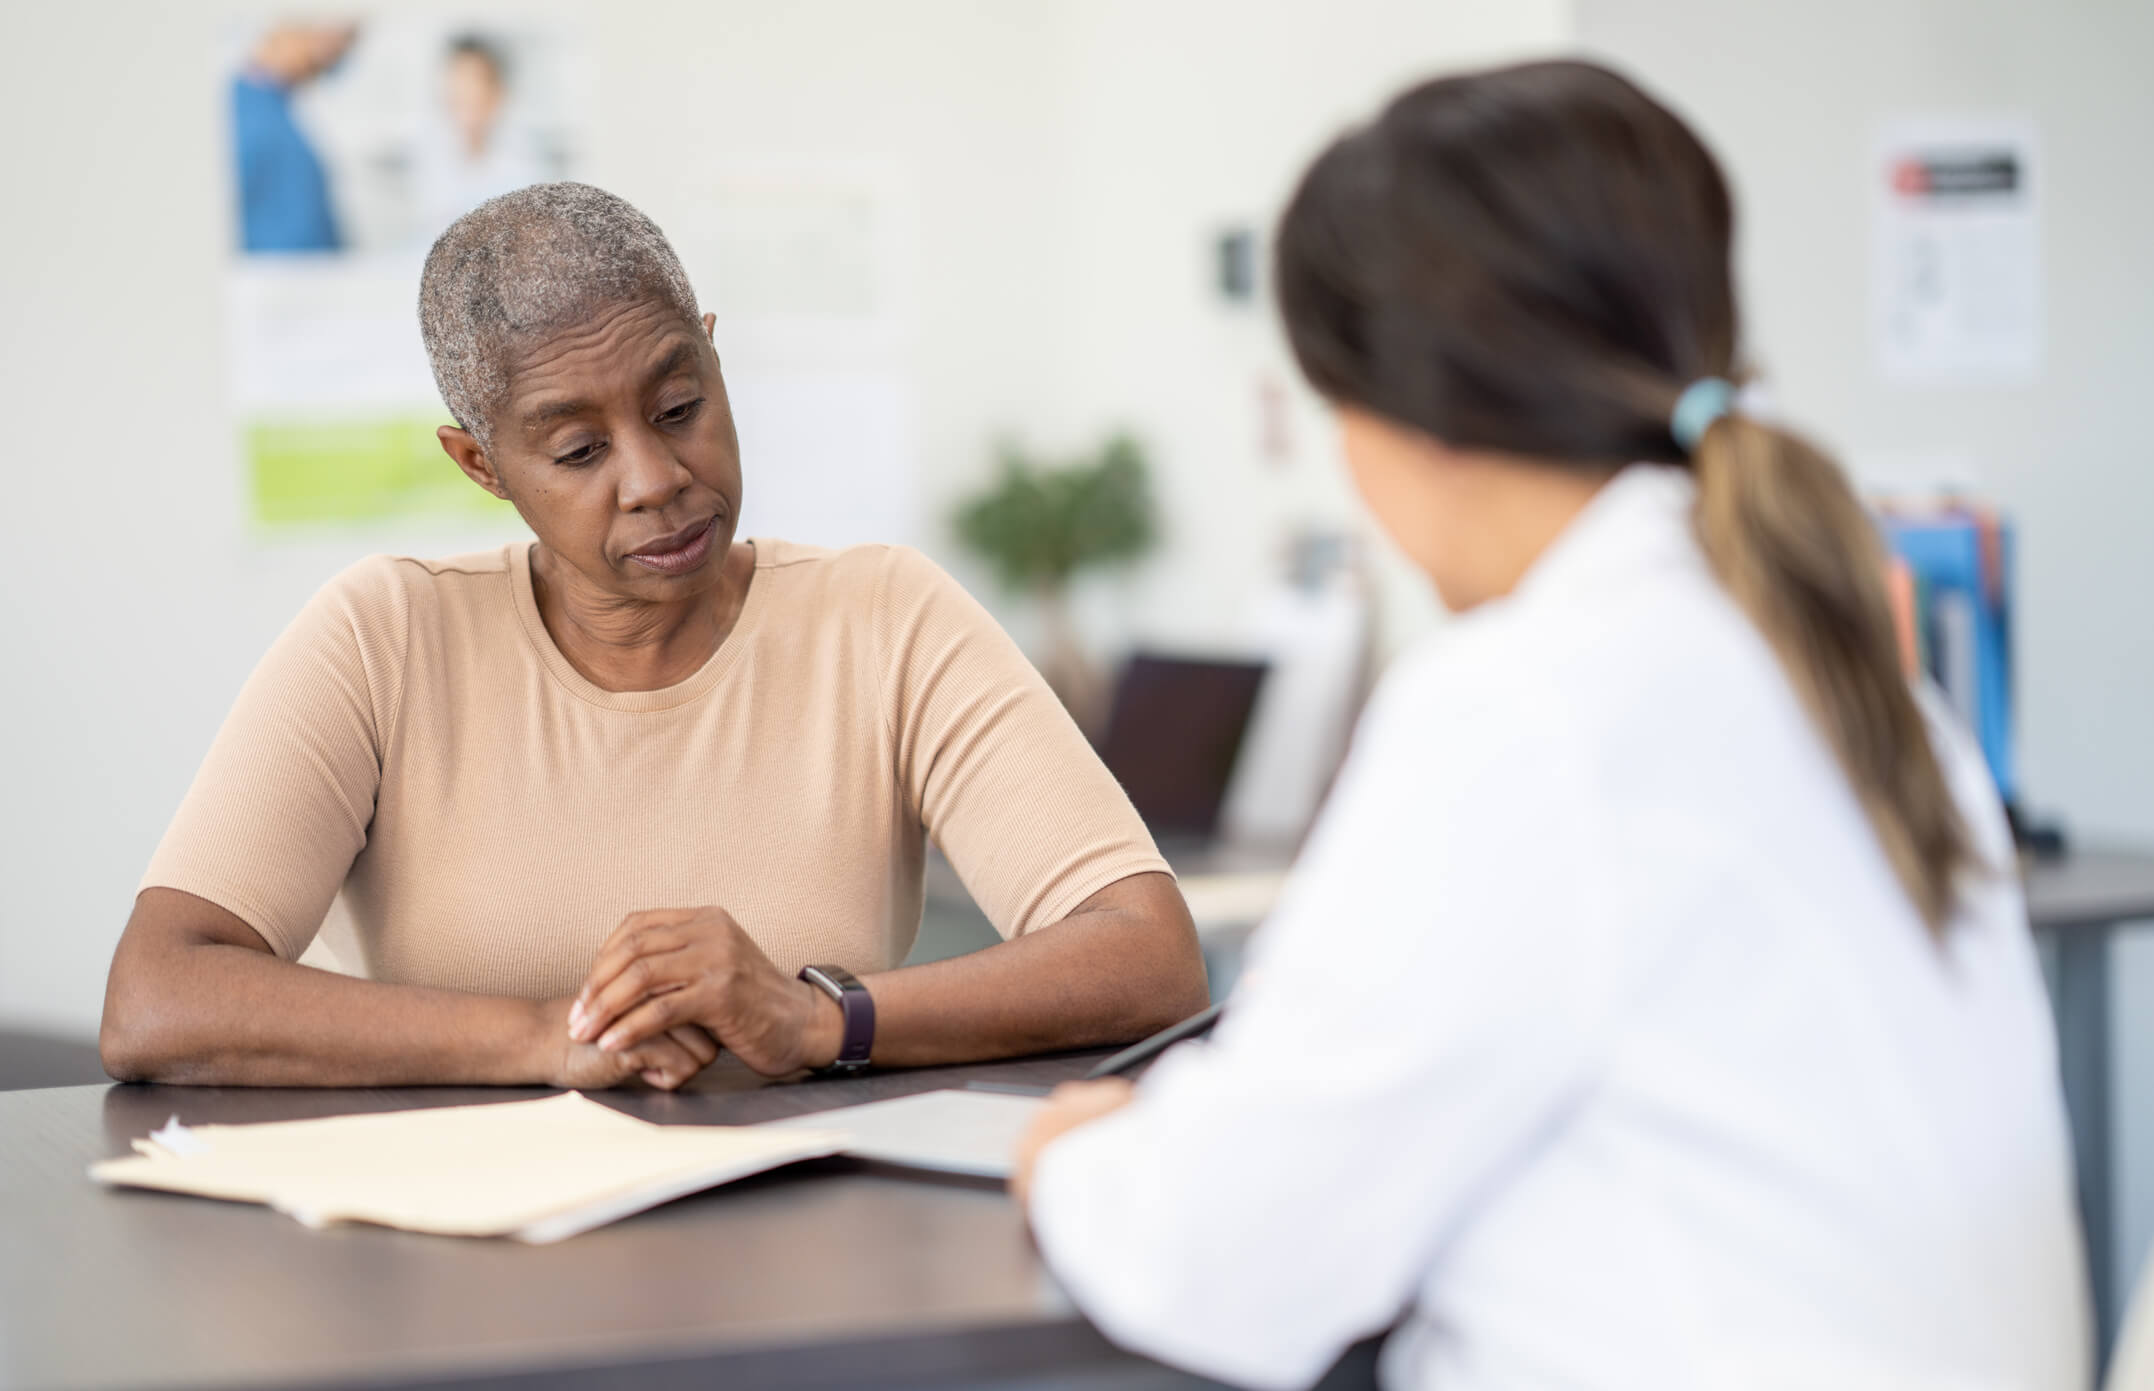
x=1535, y=261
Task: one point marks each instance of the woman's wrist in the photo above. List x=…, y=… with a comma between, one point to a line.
x=537, y=1042
x=822, y=1030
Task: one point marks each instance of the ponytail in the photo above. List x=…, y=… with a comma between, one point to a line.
x=1793, y=546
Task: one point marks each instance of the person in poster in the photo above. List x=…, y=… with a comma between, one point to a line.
x=481, y=153
x=284, y=195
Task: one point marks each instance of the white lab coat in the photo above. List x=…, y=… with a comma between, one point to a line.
x=1594, y=1034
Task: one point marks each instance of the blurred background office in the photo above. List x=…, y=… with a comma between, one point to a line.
x=987, y=272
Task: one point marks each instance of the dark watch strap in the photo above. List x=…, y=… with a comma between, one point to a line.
x=859, y=1008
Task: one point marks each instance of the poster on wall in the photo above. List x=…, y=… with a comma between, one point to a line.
x=352, y=144
x=1956, y=277
x=806, y=262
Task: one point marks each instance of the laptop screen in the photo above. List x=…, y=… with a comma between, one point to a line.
x=1173, y=735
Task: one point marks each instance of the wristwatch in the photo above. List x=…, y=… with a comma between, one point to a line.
x=859, y=1008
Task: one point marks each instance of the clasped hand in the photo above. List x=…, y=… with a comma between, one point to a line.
x=673, y=985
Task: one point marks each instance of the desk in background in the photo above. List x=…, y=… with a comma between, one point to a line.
x=1230, y=888
x=2077, y=904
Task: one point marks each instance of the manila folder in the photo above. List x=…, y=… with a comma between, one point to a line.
x=535, y=1170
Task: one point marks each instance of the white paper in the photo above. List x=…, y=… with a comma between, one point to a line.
x=799, y=257
x=1956, y=284
x=175, y=1138
x=950, y=1131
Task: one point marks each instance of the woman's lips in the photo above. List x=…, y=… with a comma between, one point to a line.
x=684, y=555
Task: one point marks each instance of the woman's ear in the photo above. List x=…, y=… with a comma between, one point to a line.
x=460, y=445
x=710, y=331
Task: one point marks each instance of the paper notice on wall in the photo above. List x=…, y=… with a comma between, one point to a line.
x=1956, y=281
x=805, y=262
x=807, y=265
x=829, y=457
x=352, y=142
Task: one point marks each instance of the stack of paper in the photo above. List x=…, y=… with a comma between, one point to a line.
x=536, y=1170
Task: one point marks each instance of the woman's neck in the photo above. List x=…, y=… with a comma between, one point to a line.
x=1473, y=520
x=1512, y=513
x=622, y=644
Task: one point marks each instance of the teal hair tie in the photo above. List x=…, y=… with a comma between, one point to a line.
x=1702, y=402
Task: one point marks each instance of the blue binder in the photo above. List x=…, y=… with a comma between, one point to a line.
x=1966, y=557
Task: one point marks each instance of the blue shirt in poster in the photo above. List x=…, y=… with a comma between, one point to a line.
x=283, y=188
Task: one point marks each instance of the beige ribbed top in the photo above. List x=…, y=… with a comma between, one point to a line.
x=416, y=740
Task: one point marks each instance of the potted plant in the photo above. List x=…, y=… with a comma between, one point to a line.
x=1037, y=526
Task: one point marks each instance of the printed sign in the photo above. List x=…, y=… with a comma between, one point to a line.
x=1956, y=266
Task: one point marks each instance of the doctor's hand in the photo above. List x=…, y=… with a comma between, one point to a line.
x=669, y=968
x=1068, y=1106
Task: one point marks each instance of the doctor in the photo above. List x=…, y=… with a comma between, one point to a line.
x=1654, y=1006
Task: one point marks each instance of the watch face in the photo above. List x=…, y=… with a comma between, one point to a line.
x=834, y=978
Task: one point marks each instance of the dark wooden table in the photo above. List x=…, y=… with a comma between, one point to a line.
x=834, y=1273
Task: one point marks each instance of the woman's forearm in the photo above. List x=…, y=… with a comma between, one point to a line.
x=196, y=996
x=1124, y=965
x=190, y=1000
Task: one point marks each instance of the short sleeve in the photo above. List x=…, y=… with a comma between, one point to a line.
x=992, y=764
x=282, y=803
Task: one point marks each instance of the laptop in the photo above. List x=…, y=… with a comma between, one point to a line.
x=1172, y=736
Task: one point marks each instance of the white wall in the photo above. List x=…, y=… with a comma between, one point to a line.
x=1790, y=96
x=1190, y=117
x=129, y=611
x=1066, y=163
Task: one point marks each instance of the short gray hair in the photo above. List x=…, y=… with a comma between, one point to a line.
x=523, y=265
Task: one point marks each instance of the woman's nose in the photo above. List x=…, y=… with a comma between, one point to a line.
x=650, y=475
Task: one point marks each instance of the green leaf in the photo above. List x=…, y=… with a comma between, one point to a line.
x=1038, y=526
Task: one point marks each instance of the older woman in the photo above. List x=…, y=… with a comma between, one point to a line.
x=603, y=803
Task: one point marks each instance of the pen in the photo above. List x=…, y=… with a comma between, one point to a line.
x=1137, y=1054
x=1144, y=1050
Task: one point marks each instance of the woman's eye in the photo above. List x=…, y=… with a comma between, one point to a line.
x=684, y=411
